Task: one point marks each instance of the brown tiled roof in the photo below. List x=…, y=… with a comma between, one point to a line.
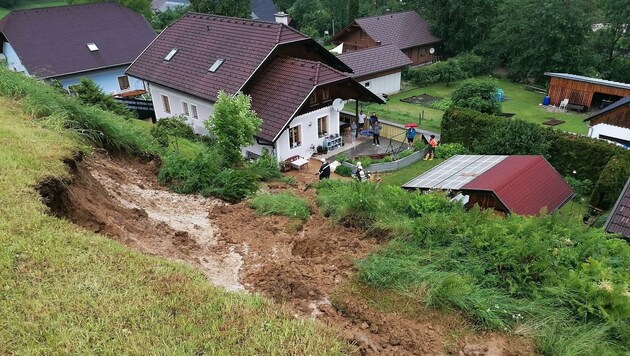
x=619, y=219
x=283, y=87
x=53, y=41
x=404, y=29
x=201, y=39
x=375, y=60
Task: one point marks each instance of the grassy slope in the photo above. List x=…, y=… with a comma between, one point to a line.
x=523, y=103
x=30, y=4
x=64, y=290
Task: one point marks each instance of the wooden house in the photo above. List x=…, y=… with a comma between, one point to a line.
x=619, y=219
x=406, y=30
x=612, y=123
x=291, y=79
x=66, y=43
x=585, y=93
x=524, y=185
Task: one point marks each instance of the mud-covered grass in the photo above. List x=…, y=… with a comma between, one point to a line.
x=285, y=204
x=66, y=291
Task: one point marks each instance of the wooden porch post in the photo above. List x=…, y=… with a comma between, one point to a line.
x=356, y=118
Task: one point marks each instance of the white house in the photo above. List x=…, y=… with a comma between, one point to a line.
x=612, y=123
x=292, y=80
x=66, y=43
x=377, y=68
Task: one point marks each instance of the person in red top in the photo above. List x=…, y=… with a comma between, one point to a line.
x=431, y=149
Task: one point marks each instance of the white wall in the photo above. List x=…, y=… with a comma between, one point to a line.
x=107, y=79
x=387, y=84
x=308, y=123
x=610, y=131
x=175, y=98
x=13, y=61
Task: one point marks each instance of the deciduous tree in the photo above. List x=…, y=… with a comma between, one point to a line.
x=480, y=95
x=236, y=8
x=143, y=7
x=233, y=124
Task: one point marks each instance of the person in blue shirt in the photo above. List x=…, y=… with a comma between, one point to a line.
x=411, y=134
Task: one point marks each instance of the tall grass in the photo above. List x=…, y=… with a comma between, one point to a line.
x=285, y=204
x=94, y=126
x=503, y=273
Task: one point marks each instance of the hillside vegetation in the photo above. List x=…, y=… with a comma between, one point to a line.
x=564, y=284
x=66, y=291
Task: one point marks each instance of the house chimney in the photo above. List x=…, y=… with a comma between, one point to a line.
x=282, y=17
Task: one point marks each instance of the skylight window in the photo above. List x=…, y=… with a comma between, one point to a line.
x=216, y=65
x=171, y=54
x=92, y=47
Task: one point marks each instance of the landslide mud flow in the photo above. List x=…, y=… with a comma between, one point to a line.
x=298, y=264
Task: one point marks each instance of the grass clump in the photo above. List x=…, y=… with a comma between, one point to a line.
x=285, y=204
x=541, y=275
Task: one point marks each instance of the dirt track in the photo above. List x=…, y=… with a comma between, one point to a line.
x=298, y=264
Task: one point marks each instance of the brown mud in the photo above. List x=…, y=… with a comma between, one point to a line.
x=306, y=266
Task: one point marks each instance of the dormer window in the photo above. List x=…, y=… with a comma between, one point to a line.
x=216, y=65
x=325, y=94
x=92, y=47
x=171, y=54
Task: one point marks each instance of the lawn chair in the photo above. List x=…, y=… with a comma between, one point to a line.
x=564, y=103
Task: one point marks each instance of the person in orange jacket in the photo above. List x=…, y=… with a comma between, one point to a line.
x=431, y=149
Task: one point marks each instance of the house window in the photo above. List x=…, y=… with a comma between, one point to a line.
x=185, y=108
x=295, y=137
x=123, y=82
x=322, y=126
x=313, y=99
x=193, y=108
x=325, y=94
x=165, y=104
x=367, y=84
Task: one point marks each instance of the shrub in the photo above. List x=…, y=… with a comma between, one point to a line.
x=581, y=188
x=448, y=150
x=90, y=93
x=365, y=161
x=187, y=176
x=265, y=168
x=232, y=185
x=611, y=182
x=341, y=158
x=513, y=137
x=170, y=130
x=471, y=64
x=442, y=104
x=285, y=204
x=344, y=171
x=479, y=95
x=466, y=126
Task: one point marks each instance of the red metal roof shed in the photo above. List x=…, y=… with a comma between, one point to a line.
x=524, y=185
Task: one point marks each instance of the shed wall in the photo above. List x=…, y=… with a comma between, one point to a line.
x=579, y=93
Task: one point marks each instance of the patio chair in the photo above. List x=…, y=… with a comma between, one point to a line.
x=564, y=103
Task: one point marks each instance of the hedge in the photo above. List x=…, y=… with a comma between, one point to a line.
x=589, y=158
x=463, y=66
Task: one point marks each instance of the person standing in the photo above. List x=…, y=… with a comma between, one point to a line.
x=431, y=149
x=360, y=122
x=376, y=131
x=411, y=134
x=360, y=173
x=324, y=170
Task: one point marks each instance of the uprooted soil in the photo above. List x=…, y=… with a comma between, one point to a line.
x=422, y=99
x=307, y=266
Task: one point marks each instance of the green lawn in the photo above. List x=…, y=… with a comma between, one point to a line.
x=521, y=102
x=413, y=170
x=31, y=4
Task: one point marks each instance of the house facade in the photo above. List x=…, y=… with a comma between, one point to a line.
x=406, y=30
x=68, y=43
x=292, y=80
x=612, y=123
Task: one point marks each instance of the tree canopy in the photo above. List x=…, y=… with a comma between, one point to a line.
x=480, y=95
x=143, y=7
x=236, y=8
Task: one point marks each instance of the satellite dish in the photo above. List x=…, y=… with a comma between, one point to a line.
x=337, y=104
x=431, y=50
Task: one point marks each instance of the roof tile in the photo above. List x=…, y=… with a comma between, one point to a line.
x=405, y=29
x=619, y=218
x=375, y=60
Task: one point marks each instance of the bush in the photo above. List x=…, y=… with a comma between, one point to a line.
x=466, y=126
x=341, y=158
x=265, y=168
x=479, y=95
x=611, y=182
x=448, y=150
x=343, y=171
x=471, y=64
x=90, y=93
x=188, y=176
x=168, y=131
x=232, y=185
x=285, y=204
x=513, y=137
x=442, y=104
x=581, y=188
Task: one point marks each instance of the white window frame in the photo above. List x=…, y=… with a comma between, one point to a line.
x=292, y=142
x=194, y=111
x=185, y=108
x=322, y=126
x=166, y=104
